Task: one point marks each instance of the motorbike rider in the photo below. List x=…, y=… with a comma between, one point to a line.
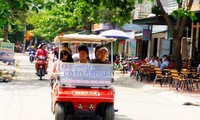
x=31, y=52
x=41, y=51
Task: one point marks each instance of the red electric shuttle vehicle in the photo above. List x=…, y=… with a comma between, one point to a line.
x=84, y=90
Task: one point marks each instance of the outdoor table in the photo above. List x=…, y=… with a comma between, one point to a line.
x=145, y=66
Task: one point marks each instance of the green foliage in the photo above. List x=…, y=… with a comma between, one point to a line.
x=1, y=33
x=156, y=10
x=72, y=15
x=181, y=12
x=140, y=1
x=4, y=12
x=13, y=14
x=179, y=1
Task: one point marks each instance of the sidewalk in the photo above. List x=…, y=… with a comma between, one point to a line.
x=180, y=97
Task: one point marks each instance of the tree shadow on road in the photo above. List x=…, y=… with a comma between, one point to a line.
x=31, y=84
x=122, y=117
x=127, y=81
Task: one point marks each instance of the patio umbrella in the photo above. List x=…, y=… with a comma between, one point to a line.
x=115, y=34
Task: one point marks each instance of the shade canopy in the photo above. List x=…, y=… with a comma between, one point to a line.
x=79, y=38
x=115, y=34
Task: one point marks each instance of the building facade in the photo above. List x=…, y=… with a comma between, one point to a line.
x=160, y=41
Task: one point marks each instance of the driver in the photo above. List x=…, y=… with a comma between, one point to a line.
x=41, y=51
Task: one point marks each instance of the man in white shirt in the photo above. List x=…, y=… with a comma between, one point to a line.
x=153, y=62
x=198, y=69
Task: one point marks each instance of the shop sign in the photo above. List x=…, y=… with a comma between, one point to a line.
x=7, y=52
x=101, y=26
x=146, y=34
x=86, y=74
x=122, y=42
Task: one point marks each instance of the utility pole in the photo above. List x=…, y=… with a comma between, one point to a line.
x=24, y=43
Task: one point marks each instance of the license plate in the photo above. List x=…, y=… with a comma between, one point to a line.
x=40, y=66
x=86, y=93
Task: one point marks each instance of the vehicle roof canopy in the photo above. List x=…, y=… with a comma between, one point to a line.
x=78, y=38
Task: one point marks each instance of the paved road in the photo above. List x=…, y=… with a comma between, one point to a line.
x=29, y=98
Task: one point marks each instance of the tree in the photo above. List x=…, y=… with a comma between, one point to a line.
x=72, y=15
x=13, y=13
x=180, y=14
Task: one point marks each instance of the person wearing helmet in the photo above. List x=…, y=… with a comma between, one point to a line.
x=31, y=53
x=41, y=51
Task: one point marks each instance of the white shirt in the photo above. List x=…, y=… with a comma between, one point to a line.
x=198, y=68
x=153, y=63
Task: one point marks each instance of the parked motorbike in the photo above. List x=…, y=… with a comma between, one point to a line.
x=41, y=66
x=18, y=49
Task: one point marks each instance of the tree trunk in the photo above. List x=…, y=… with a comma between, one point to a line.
x=176, y=55
x=5, y=35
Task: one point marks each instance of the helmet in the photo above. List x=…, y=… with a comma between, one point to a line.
x=32, y=47
x=40, y=45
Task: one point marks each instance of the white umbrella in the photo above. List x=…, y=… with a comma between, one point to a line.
x=115, y=34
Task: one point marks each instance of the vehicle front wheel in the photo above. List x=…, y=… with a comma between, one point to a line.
x=40, y=73
x=69, y=117
x=109, y=113
x=59, y=111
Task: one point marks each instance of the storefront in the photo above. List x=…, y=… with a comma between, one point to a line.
x=190, y=43
x=157, y=44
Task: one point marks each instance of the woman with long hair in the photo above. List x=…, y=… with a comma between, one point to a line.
x=65, y=56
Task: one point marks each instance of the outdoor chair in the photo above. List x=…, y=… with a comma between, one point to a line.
x=151, y=73
x=159, y=76
x=177, y=80
x=191, y=79
x=144, y=72
x=134, y=70
x=195, y=81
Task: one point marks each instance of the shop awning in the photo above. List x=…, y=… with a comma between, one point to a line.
x=154, y=32
x=159, y=20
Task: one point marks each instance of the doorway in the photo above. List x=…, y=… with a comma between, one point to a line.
x=155, y=46
x=144, y=49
